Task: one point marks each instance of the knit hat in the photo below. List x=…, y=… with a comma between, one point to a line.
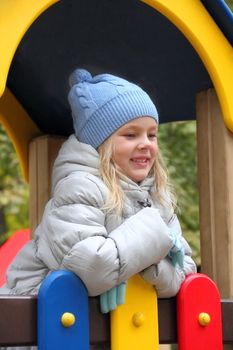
x=102, y=104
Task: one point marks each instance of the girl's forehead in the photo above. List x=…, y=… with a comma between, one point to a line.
x=144, y=122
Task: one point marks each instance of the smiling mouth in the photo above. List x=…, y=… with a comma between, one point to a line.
x=141, y=160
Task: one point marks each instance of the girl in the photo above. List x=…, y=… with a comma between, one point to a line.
x=111, y=214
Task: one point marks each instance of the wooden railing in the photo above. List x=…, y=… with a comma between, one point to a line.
x=19, y=322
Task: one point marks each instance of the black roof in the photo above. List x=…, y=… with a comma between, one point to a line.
x=124, y=37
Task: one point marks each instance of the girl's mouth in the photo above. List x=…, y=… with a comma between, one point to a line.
x=140, y=160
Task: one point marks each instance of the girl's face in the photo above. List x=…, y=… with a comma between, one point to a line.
x=135, y=148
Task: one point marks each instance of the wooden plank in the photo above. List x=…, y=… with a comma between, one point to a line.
x=43, y=175
x=33, y=188
x=227, y=317
x=18, y=323
x=42, y=153
x=167, y=321
x=215, y=168
x=47, y=149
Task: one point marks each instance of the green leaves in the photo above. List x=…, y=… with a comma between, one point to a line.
x=230, y=4
x=177, y=142
x=13, y=190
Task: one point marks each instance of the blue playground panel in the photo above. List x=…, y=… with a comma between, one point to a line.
x=61, y=292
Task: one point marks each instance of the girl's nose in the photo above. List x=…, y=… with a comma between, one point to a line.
x=144, y=142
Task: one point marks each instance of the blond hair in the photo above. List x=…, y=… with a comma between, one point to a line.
x=162, y=190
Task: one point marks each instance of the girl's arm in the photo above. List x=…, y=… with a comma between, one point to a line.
x=103, y=262
x=167, y=278
x=73, y=236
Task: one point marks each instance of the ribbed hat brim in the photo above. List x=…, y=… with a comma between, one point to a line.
x=114, y=114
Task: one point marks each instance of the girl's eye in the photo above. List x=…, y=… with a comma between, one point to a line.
x=130, y=136
x=152, y=136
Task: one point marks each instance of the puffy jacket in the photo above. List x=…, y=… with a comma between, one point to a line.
x=103, y=249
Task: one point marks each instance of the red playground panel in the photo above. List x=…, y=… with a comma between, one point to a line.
x=9, y=250
x=199, y=318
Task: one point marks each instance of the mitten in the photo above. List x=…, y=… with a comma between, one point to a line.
x=176, y=253
x=112, y=298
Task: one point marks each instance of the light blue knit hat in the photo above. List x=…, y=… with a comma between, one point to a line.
x=102, y=104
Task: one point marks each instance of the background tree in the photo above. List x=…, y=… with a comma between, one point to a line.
x=230, y=4
x=178, y=145
x=13, y=190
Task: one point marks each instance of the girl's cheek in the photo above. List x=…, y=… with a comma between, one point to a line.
x=155, y=153
x=155, y=147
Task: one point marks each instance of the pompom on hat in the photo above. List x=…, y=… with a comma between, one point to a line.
x=102, y=104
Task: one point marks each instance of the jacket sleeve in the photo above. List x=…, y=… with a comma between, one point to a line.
x=105, y=261
x=73, y=236
x=166, y=278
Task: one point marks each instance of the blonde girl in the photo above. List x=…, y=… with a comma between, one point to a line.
x=111, y=214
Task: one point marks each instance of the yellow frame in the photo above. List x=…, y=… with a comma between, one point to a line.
x=216, y=53
x=189, y=16
x=16, y=16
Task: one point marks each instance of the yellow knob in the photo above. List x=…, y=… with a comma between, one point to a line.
x=68, y=319
x=204, y=319
x=138, y=319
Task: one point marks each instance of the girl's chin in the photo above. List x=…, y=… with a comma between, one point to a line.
x=138, y=177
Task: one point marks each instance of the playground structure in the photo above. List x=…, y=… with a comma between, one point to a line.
x=9, y=249
x=181, y=53
x=59, y=319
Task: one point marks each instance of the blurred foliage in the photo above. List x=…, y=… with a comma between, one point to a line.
x=178, y=145
x=230, y=4
x=13, y=190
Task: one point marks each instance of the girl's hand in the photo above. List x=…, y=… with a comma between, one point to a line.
x=112, y=298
